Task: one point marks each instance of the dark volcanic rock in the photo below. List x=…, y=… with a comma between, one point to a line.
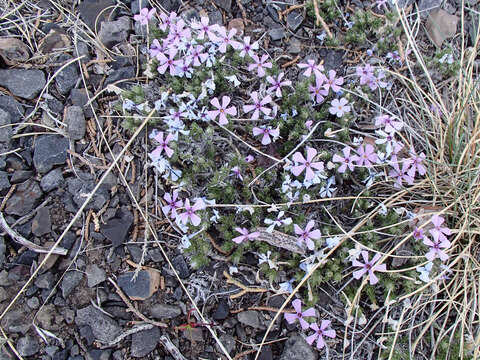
x=79, y=97
x=79, y=188
x=116, y=230
x=4, y=183
x=104, y=328
x=294, y=19
x=296, y=348
x=5, y=130
x=95, y=275
x=114, y=32
x=222, y=310
x=27, y=346
x=224, y=4
x=67, y=78
x=144, y=342
x=70, y=282
x=25, y=83
x=51, y=180
x=76, y=124
x=24, y=199
x=164, y=311
x=42, y=223
x=49, y=150
x=11, y=106
x=94, y=10
x=139, y=288
x=127, y=72
x=181, y=266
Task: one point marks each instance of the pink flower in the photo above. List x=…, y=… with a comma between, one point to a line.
x=277, y=84
x=260, y=64
x=332, y=82
x=178, y=32
x=297, y=305
x=258, y=105
x=189, y=213
x=418, y=234
x=320, y=332
x=318, y=92
x=307, y=164
x=439, y=232
x=236, y=171
x=145, y=16
x=172, y=204
x=245, y=235
x=204, y=28
x=225, y=39
x=167, y=21
x=368, y=267
x=346, y=161
x=435, y=248
x=311, y=67
x=156, y=48
x=376, y=81
x=167, y=62
x=400, y=175
x=366, y=155
x=266, y=131
x=339, y=107
x=197, y=56
x=389, y=122
x=306, y=236
x=222, y=110
x=416, y=163
x=249, y=158
x=247, y=48
x=365, y=73
x=163, y=145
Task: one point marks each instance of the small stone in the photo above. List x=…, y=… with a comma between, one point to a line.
x=194, y=335
x=80, y=97
x=76, y=124
x=224, y=4
x=104, y=328
x=78, y=188
x=238, y=25
x=114, y=32
x=67, y=78
x=144, y=342
x=215, y=17
x=15, y=321
x=294, y=46
x=250, y=318
x=25, y=83
x=4, y=183
x=141, y=288
x=137, y=5
x=95, y=354
x=126, y=72
x=425, y=6
x=3, y=248
x=55, y=40
x=20, y=176
x=181, y=266
x=164, y=311
x=277, y=34
x=69, y=282
x=222, y=310
x=41, y=223
x=50, y=150
x=116, y=230
x=95, y=275
x=33, y=303
x=24, y=199
x=5, y=128
x=27, y=346
x=296, y=348
x=51, y=180
x=228, y=342
x=94, y=12
x=11, y=106
x=13, y=50
x=45, y=281
x=294, y=19
x=266, y=353
x=441, y=26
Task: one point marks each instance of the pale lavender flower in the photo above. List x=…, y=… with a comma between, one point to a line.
x=436, y=247
x=163, y=145
x=389, y=123
x=299, y=314
x=332, y=82
x=345, y=161
x=189, y=213
x=236, y=172
x=307, y=236
x=365, y=73
x=144, y=16
x=311, y=67
x=249, y=158
x=306, y=164
x=368, y=267
x=156, y=48
x=266, y=131
x=277, y=84
x=418, y=234
x=247, y=48
x=204, y=28
x=277, y=222
x=439, y=232
x=318, y=92
x=416, y=163
x=198, y=57
x=260, y=64
x=225, y=39
x=246, y=235
x=223, y=111
x=258, y=105
x=172, y=204
x=167, y=20
x=167, y=62
x=400, y=175
x=339, y=107
x=320, y=332
x=366, y=155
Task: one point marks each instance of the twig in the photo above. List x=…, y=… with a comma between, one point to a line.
x=216, y=246
x=5, y=199
x=28, y=244
x=260, y=308
x=245, y=289
x=171, y=348
x=132, y=309
x=320, y=21
x=127, y=333
x=290, y=63
x=246, y=352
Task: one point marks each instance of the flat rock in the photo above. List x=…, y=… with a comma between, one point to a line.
x=142, y=287
x=4, y=182
x=27, y=346
x=94, y=10
x=277, y=33
x=45, y=281
x=24, y=198
x=95, y=275
x=81, y=188
x=51, y=180
x=164, y=311
x=50, y=150
x=25, y=83
x=126, y=72
x=295, y=19
x=5, y=129
x=144, y=342
x=228, y=341
x=296, y=348
x=222, y=311
x=114, y=32
x=15, y=321
x=250, y=318
x=294, y=46
x=42, y=223
x=12, y=106
x=67, y=78
x=425, y=6
x=181, y=266
x=116, y=230
x=20, y=176
x=3, y=248
x=441, y=26
x=104, y=328
x=76, y=124
x=80, y=97
x=224, y=4
x=69, y=282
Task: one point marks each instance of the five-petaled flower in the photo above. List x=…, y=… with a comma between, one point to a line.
x=389, y=123
x=278, y=221
x=311, y=67
x=266, y=131
x=439, y=232
x=400, y=175
x=339, y=107
x=247, y=48
x=332, y=82
x=167, y=62
x=277, y=84
x=246, y=235
x=416, y=163
x=366, y=155
x=436, y=247
x=236, y=172
x=144, y=16
x=306, y=236
x=222, y=110
x=205, y=29
x=368, y=267
x=346, y=161
x=299, y=314
x=189, y=213
x=258, y=105
x=318, y=92
x=172, y=204
x=306, y=164
x=320, y=332
x=163, y=145
x=260, y=64
x=226, y=38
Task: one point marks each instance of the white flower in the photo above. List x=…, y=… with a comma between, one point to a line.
x=425, y=271
x=287, y=286
x=277, y=222
x=332, y=241
x=266, y=258
x=215, y=216
x=327, y=190
x=233, y=79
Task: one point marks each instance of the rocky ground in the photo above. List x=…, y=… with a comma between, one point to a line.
x=81, y=303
